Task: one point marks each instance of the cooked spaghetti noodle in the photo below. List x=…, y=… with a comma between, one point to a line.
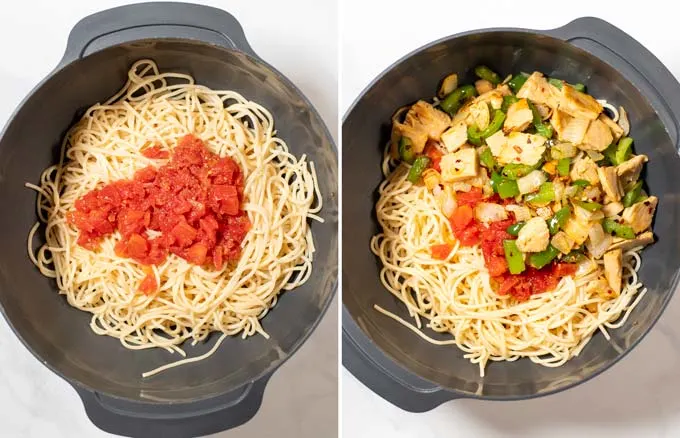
x=456, y=298
x=280, y=196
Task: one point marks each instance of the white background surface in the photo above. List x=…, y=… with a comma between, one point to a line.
x=639, y=397
x=301, y=398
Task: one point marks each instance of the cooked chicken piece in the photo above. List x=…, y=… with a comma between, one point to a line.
x=568, y=128
x=504, y=90
x=487, y=212
x=639, y=216
x=493, y=97
x=592, y=192
x=612, y=209
x=519, y=116
x=598, y=137
x=562, y=242
x=612, y=269
x=616, y=130
x=629, y=171
x=544, y=212
x=531, y=182
x=598, y=241
x=538, y=90
x=577, y=104
x=534, y=236
x=522, y=213
x=422, y=121
x=455, y=137
x=519, y=148
x=584, y=168
x=610, y=182
x=585, y=216
x=641, y=240
x=576, y=230
x=463, y=114
x=459, y=165
x=479, y=113
x=483, y=86
x=497, y=142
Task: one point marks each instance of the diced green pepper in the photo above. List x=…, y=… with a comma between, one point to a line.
x=563, y=166
x=624, y=231
x=419, y=165
x=513, y=229
x=507, y=101
x=516, y=170
x=486, y=73
x=589, y=205
x=487, y=159
x=579, y=87
x=580, y=183
x=632, y=195
x=543, y=129
x=406, y=152
x=559, y=220
x=623, y=150
x=514, y=257
x=474, y=136
x=517, y=81
x=642, y=197
x=453, y=100
x=574, y=256
x=496, y=179
x=508, y=188
x=540, y=259
x=545, y=194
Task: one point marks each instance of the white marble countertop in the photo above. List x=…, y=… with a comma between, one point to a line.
x=636, y=398
x=301, y=398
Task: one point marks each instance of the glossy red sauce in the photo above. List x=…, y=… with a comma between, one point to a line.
x=470, y=232
x=193, y=202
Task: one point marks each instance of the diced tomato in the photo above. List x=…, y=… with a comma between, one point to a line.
x=441, y=251
x=155, y=152
x=148, y=284
x=196, y=254
x=435, y=155
x=470, y=198
x=469, y=236
x=462, y=217
x=507, y=283
x=193, y=201
x=564, y=269
x=496, y=265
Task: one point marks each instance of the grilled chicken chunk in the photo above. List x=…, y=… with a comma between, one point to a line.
x=629, y=171
x=639, y=216
x=610, y=182
x=459, y=165
x=612, y=269
x=598, y=137
x=584, y=168
x=538, y=90
x=519, y=117
x=422, y=121
x=640, y=240
x=577, y=104
x=534, y=236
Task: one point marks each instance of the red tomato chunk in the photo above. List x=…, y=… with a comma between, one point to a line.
x=193, y=203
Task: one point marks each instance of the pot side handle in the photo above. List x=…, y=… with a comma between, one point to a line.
x=618, y=48
x=155, y=20
x=169, y=420
x=384, y=377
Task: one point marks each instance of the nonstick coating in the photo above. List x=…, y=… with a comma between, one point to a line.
x=365, y=133
x=58, y=334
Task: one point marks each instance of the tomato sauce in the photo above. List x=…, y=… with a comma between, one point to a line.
x=470, y=232
x=191, y=205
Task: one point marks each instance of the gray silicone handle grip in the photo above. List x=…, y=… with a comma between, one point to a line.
x=155, y=20
x=624, y=53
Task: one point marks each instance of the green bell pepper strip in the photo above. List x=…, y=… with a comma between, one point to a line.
x=632, y=195
x=507, y=101
x=406, y=152
x=452, y=101
x=580, y=183
x=514, y=257
x=543, y=129
x=516, y=170
x=589, y=205
x=557, y=83
x=579, y=87
x=474, y=136
x=623, y=150
x=540, y=259
x=545, y=194
x=496, y=179
x=513, y=229
x=486, y=73
x=574, y=256
x=419, y=165
x=517, y=81
x=563, y=166
x=624, y=231
x=508, y=188
x=642, y=197
x=487, y=159
x=559, y=220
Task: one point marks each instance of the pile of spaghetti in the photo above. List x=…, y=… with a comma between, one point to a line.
x=512, y=216
x=174, y=212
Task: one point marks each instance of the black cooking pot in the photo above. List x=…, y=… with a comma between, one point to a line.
x=386, y=356
x=225, y=390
